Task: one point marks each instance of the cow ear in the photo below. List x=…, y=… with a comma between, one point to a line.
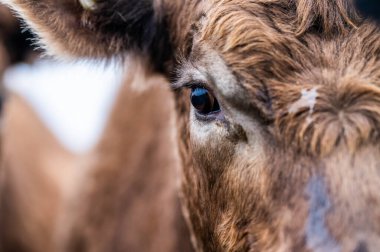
x=96, y=28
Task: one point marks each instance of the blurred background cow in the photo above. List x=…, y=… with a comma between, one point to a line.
x=63, y=146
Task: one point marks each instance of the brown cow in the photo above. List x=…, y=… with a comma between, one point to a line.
x=42, y=185
x=124, y=192
x=280, y=146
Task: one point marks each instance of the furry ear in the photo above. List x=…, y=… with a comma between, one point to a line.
x=97, y=28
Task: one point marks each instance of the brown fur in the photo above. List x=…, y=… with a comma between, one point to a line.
x=32, y=188
x=13, y=49
x=7, y=23
x=266, y=177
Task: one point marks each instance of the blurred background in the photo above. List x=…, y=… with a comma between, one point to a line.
x=72, y=99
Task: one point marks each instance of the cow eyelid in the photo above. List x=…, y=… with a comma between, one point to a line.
x=189, y=85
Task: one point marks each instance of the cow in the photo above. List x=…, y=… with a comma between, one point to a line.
x=45, y=188
x=277, y=106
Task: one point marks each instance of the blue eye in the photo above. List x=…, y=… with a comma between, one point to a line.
x=204, y=102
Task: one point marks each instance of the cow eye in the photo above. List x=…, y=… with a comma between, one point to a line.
x=203, y=101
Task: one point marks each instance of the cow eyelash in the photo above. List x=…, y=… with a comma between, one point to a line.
x=189, y=85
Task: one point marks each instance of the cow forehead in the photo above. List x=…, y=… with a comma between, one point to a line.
x=266, y=38
x=261, y=45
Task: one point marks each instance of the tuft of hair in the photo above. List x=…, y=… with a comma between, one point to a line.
x=326, y=16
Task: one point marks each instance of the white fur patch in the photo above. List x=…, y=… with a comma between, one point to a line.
x=88, y=4
x=308, y=99
x=74, y=106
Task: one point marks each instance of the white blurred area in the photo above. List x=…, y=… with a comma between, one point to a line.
x=72, y=99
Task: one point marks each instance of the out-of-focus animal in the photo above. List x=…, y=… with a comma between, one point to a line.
x=54, y=200
x=123, y=193
x=46, y=189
